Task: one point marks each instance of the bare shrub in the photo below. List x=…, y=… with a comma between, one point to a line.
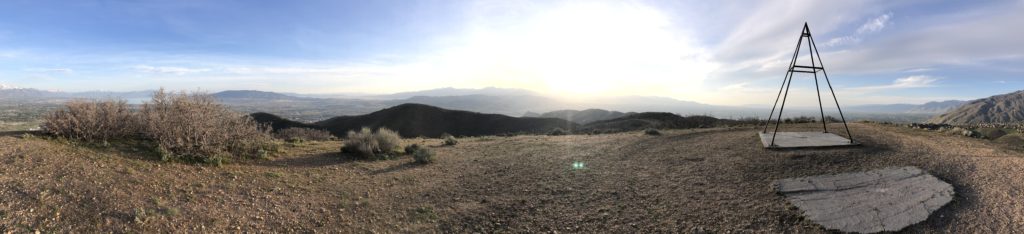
x=193, y=126
x=96, y=121
x=652, y=132
x=306, y=134
x=366, y=143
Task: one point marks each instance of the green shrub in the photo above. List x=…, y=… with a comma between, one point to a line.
x=449, y=140
x=652, y=132
x=423, y=155
x=372, y=145
x=409, y=149
x=295, y=140
x=992, y=133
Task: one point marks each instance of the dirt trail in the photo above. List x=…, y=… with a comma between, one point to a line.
x=683, y=181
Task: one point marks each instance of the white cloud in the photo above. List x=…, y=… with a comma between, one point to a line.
x=968, y=38
x=916, y=81
x=52, y=70
x=875, y=25
x=845, y=40
x=169, y=69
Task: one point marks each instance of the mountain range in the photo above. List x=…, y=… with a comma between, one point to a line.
x=418, y=120
x=511, y=102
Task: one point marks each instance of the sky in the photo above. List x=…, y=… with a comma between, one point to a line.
x=714, y=52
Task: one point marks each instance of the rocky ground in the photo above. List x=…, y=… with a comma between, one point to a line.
x=714, y=180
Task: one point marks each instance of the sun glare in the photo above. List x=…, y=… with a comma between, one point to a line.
x=582, y=50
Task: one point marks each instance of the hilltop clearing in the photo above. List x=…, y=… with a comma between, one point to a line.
x=713, y=180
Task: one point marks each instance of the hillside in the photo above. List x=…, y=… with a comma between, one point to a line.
x=935, y=107
x=1005, y=108
x=658, y=120
x=412, y=120
x=583, y=116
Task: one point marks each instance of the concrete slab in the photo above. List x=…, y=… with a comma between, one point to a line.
x=887, y=199
x=803, y=140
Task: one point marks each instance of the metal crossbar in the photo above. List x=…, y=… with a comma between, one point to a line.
x=816, y=65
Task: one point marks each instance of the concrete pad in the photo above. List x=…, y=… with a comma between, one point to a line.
x=887, y=199
x=803, y=140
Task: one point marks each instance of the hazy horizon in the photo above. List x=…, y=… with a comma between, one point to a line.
x=734, y=53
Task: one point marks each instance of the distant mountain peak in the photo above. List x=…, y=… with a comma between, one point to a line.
x=450, y=91
x=251, y=94
x=7, y=86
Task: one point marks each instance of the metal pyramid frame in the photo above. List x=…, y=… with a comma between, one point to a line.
x=798, y=139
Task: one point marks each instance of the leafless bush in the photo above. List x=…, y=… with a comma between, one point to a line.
x=183, y=126
x=373, y=145
x=305, y=134
x=193, y=126
x=96, y=121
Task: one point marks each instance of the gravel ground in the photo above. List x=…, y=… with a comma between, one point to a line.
x=714, y=180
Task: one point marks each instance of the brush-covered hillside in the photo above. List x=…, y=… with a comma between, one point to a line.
x=1005, y=108
x=412, y=120
x=584, y=116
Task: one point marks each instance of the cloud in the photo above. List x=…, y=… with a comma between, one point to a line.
x=53, y=70
x=845, y=40
x=916, y=81
x=169, y=69
x=969, y=38
x=875, y=25
x=761, y=44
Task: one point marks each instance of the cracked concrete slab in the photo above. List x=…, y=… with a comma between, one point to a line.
x=803, y=140
x=887, y=199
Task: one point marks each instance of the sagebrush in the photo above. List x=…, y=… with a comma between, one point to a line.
x=423, y=155
x=369, y=144
x=449, y=140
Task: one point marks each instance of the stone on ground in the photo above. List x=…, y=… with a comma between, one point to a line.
x=873, y=201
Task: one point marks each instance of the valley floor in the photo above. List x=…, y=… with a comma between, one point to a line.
x=683, y=181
